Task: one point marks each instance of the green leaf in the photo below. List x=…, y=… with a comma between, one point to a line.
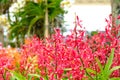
x=65, y=78
x=99, y=64
x=12, y=78
x=114, y=79
x=114, y=68
x=117, y=1
x=91, y=71
x=17, y=76
x=109, y=62
x=105, y=72
x=33, y=21
x=33, y=75
x=4, y=1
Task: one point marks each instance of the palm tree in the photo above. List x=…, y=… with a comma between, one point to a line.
x=35, y=18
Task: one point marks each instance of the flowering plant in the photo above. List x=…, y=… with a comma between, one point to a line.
x=74, y=57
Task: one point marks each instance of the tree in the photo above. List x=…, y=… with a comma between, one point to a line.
x=115, y=7
x=35, y=18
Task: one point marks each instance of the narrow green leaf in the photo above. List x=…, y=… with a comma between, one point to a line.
x=33, y=21
x=114, y=68
x=114, y=79
x=12, y=28
x=99, y=64
x=17, y=76
x=109, y=61
x=101, y=75
x=91, y=71
x=12, y=78
x=65, y=78
x=33, y=75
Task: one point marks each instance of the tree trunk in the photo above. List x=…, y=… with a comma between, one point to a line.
x=46, y=21
x=1, y=35
x=115, y=8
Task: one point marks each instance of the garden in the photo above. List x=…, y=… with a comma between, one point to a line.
x=52, y=56
x=74, y=57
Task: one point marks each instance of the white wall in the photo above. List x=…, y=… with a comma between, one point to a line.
x=92, y=16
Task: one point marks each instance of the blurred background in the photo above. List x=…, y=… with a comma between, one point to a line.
x=91, y=12
x=23, y=18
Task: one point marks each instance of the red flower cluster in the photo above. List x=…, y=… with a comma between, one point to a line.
x=61, y=57
x=8, y=60
x=74, y=53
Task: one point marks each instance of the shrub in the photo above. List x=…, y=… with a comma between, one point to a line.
x=74, y=57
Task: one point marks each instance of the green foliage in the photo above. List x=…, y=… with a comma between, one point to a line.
x=4, y=6
x=94, y=33
x=29, y=15
x=4, y=1
x=36, y=76
x=105, y=71
x=17, y=76
x=30, y=19
x=117, y=1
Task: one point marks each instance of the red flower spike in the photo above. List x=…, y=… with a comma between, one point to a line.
x=59, y=57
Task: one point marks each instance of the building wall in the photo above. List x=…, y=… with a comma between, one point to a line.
x=92, y=16
x=91, y=1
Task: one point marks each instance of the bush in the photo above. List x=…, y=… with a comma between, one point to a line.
x=74, y=57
